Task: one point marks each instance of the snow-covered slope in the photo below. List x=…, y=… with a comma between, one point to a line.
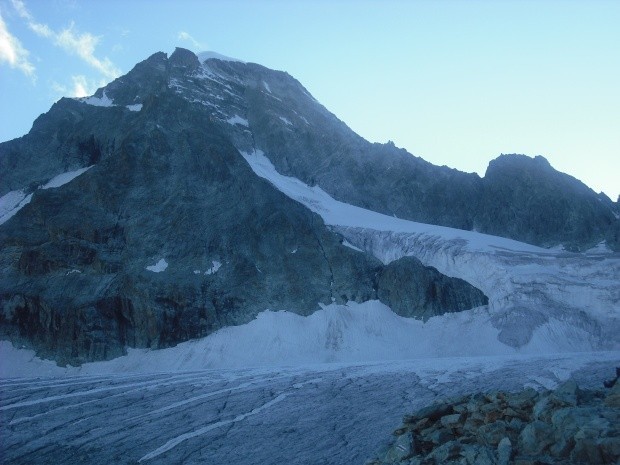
x=352, y=333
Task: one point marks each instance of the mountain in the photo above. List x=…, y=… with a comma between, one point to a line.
x=164, y=207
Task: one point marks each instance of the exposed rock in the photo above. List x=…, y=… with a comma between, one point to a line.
x=579, y=428
x=519, y=202
x=413, y=290
x=613, y=398
x=504, y=451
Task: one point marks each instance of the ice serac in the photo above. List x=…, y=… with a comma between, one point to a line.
x=109, y=260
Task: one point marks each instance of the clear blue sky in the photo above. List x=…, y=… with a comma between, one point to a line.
x=455, y=82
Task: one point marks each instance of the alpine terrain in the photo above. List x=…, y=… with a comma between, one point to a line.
x=200, y=261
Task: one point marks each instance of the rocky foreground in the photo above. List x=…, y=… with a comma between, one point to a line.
x=565, y=426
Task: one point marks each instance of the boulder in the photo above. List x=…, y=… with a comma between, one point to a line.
x=564, y=426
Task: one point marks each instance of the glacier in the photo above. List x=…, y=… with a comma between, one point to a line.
x=322, y=414
x=533, y=292
x=327, y=388
x=541, y=301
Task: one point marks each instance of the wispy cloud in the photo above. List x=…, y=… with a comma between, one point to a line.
x=80, y=86
x=13, y=53
x=185, y=36
x=81, y=44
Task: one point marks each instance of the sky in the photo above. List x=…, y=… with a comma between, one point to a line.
x=454, y=82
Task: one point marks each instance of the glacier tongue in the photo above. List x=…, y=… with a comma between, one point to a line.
x=533, y=292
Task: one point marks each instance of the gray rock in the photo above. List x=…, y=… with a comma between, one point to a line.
x=433, y=412
x=612, y=399
x=451, y=421
x=535, y=438
x=567, y=392
x=504, y=451
x=414, y=290
x=446, y=452
x=491, y=434
x=402, y=448
x=477, y=455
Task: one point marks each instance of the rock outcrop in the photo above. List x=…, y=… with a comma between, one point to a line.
x=411, y=289
x=564, y=426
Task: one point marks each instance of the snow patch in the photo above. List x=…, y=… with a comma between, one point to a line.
x=215, y=266
x=12, y=202
x=351, y=246
x=238, y=120
x=158, y=267
x=285, y=120
x=103, y=101
x=266, y=86
x=106, y=101
x=64, y=178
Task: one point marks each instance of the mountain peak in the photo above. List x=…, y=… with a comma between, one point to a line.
x=183, y=58
x=210, y=55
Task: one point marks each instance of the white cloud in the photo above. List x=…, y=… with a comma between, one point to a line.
x=21, y=9
x=185, y=36
x=80, y=86
x=13, y=53
x=81, y=44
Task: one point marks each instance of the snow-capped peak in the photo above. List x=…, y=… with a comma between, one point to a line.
x=204, y=56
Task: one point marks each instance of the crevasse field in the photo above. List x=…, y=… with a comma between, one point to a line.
x=328, y=388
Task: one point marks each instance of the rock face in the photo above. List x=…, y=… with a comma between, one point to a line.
x=169, y=235
x=526, y=199
x=567, y=425
x=414, y=290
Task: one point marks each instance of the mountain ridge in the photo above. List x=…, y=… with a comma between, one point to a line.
x=169, y=185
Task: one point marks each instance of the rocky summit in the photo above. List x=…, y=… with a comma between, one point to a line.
x=131, y=218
